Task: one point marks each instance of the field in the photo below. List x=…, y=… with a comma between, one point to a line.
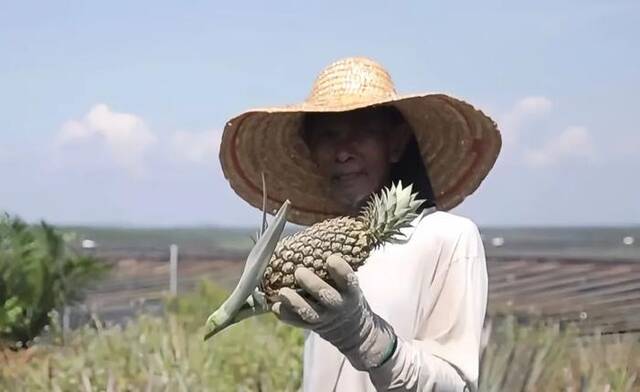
x=166, y=353
x=217, y=254
x=129, y=335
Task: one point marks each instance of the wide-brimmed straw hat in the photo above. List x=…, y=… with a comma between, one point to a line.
x=458, y=143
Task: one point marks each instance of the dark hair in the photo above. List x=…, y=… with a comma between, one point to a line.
x=410, y=169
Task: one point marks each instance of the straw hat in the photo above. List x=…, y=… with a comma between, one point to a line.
x=458, y=143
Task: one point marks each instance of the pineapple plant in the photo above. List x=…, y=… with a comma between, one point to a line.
x=271, y=264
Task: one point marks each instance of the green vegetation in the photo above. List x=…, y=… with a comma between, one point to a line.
x=167, y=354
x=164, y=354
x=542, y=358
x=38, y=273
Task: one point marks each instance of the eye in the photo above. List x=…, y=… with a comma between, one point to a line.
x=327, y=135
x=370, y=132
x=320, y=138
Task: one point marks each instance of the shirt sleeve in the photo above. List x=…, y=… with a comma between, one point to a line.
x=445, y=354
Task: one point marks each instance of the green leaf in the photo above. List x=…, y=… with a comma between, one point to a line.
x=38, y=273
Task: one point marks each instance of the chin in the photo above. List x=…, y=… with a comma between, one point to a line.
x=354, y=202
x=353, y=195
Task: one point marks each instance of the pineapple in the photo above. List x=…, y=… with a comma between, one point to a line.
x=271, y=264
x=352, y=238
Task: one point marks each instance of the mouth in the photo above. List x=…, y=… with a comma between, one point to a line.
x=346, y=176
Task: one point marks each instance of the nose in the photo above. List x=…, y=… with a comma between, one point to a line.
x=344, y=151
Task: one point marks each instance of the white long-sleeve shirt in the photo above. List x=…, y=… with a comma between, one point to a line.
x=433, y=291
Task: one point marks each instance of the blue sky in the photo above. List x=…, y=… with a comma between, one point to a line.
x=111, y=112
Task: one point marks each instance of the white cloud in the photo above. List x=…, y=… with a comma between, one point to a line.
x=126, y=136
x=196, y=147
x=524, y=110
x=73, y=131
x=573, y=142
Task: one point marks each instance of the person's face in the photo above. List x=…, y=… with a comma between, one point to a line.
x=355, y=151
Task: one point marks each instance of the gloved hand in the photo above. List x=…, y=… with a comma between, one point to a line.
x=341, y=316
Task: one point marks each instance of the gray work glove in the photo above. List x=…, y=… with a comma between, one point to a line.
x=339, y=315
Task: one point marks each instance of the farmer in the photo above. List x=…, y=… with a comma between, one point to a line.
x=411, y=318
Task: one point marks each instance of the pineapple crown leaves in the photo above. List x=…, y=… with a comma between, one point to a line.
x=388, y=212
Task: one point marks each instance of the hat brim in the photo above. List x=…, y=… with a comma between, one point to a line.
x=458, y=143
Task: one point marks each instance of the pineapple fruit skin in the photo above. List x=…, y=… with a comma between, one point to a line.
x=347, y=237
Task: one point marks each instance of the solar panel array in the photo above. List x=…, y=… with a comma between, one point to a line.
x=594, y=295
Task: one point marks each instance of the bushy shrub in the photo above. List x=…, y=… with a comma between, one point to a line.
x=39, y=272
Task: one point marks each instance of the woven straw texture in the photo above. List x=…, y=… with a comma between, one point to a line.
x=458, y=143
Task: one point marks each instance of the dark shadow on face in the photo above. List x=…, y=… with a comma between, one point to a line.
x=362, y=151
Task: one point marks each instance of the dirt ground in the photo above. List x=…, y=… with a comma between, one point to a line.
x=135, y=285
